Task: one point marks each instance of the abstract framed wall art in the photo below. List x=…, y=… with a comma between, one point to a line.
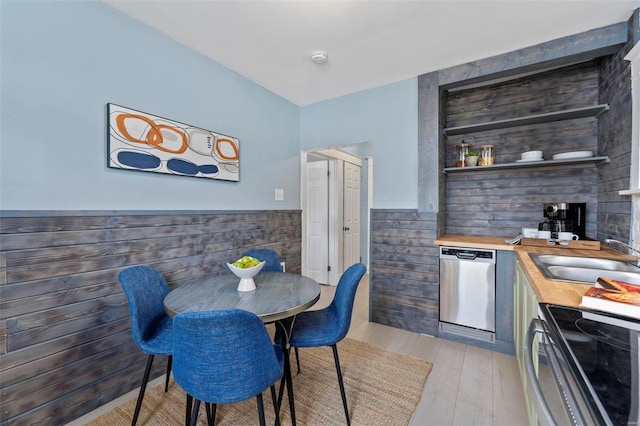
x=145, y=142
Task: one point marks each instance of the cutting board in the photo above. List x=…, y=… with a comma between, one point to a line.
x=573, y=244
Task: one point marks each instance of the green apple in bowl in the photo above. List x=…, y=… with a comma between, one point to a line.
x=246, y=268
x=246, y=262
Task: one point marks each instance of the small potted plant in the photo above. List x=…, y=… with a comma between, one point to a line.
x=471, y=159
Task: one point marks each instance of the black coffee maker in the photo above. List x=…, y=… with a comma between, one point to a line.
x=564, y=217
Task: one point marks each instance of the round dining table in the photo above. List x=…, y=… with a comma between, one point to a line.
x=278, y=295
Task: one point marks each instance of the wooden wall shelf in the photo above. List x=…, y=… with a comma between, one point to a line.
x=522, y=165
x=569, y=114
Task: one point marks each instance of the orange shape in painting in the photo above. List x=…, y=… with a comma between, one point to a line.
x=154, y=135
x=220, y=148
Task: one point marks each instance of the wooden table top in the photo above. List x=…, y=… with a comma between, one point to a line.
x=278, y=295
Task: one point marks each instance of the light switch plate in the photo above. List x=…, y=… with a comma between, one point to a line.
x=279, y=194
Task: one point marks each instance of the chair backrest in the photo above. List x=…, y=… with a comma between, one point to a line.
x=223, y=356
x=145, y=289
x=345, y=296
x=268, y=255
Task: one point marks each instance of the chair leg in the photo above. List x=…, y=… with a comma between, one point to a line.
x=289, y=381
x=211, y=417
x=143, y=387
x=166, y=383
x=213, y=413
x=338, y=370
x=297, y=359
x=188, y=410
x=194, y=415
x=261, y=410
x=286, y=379
x=274, y=399
x=280, y=392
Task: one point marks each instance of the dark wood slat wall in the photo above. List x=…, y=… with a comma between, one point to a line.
x=441, y=208
x=551, y=91
x=65, y=339
x=614, y=210
x=404, y=274
x=501, y=202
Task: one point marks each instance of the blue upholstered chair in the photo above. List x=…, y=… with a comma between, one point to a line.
x=224, y=357
x=268, y=255
x=326, y=327
x=151, y=327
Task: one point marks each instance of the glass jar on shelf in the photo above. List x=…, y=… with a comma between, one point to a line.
x=487, y=155
x=462, y=149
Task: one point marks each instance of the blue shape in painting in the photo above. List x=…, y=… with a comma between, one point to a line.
x=183, y=167
x=138, y=160
x=208, y=169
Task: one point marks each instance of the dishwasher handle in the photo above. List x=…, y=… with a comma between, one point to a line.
x=542, y=408
x=466, y=256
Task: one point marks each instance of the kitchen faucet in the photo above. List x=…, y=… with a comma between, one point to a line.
x=610, y=240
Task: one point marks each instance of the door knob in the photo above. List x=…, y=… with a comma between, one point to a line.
x=346, y=228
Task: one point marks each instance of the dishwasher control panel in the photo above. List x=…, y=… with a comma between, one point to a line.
x=470, y=254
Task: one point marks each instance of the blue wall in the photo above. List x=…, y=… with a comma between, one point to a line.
x=63, y=61
x=387, y=117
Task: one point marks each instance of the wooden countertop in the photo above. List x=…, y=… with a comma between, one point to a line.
x=547, y=291
x=472, y=241
x=560, y=292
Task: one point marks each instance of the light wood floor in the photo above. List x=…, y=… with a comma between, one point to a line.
x=467, y=386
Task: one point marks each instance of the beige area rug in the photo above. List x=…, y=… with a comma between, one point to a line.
x=382, y=387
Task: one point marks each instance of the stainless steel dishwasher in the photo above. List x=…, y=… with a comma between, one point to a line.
x=467, y=289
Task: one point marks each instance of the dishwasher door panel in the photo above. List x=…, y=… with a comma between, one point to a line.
x=467, y=293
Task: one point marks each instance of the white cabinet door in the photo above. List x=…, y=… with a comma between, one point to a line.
x=351, y=216
x=525, y=308
x=317, y=210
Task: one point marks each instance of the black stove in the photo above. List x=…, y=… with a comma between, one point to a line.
x=601, y=353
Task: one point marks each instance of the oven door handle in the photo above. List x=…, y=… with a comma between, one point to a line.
x=533, y=385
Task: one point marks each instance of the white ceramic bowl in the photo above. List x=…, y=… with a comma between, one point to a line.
x=246, y=272
x=246, y=275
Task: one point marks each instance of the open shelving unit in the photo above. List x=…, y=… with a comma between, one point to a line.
x=529, y=164
x=570, y=114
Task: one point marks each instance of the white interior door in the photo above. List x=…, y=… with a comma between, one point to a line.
x=351, y=214
x=317, y=223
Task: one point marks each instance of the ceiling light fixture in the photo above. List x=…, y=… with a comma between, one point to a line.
x=319, y=57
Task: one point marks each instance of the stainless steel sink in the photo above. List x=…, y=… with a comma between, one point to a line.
x=585, y=270
x=589, y=276
x=585, y=262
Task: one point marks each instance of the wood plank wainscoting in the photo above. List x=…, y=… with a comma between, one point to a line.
x=65, y=339
x=404, y=275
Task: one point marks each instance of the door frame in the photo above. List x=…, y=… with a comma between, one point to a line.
x=335, y=157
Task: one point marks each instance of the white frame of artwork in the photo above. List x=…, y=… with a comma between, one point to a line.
x=144, y=142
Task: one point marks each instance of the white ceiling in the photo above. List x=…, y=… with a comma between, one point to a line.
x=369, y=43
